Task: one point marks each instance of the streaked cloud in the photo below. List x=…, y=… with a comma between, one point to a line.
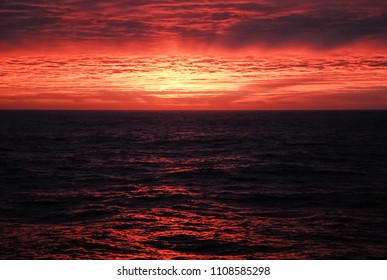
x=193, y=82
x=201, y=24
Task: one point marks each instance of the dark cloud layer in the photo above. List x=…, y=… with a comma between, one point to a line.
x=235, y=24
x=320, y=31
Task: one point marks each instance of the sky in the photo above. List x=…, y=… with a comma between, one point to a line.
x=193, y=55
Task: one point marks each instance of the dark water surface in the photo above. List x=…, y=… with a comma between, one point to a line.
x=193, y=185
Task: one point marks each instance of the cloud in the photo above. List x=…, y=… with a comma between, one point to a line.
x=318, y=31
x=232, y=25
x=192, y=82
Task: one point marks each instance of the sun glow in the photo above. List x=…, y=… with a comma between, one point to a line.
x=174, y=74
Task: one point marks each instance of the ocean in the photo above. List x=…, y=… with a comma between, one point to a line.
x=193, y=185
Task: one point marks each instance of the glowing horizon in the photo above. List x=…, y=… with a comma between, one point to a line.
x=196, y=55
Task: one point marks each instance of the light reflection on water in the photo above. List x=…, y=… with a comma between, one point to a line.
x=252, y=185
x=167, y=222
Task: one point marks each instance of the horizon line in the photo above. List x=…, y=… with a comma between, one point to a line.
x=193, y=110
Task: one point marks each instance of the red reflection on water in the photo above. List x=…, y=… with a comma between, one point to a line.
x=179, y=169
x=166, y=222
x=158, y=222
x=159, y=191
